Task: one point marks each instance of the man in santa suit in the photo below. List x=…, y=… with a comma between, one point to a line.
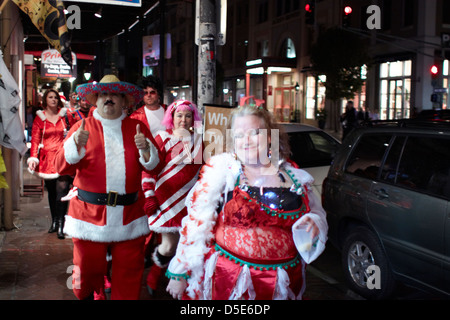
x=106, y=153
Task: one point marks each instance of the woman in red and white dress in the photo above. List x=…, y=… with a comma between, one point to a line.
x=241, y=237
x=181, y=153
x=49, y=130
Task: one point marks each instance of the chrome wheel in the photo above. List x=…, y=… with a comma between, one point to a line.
x=362, y=250
x=359, y=258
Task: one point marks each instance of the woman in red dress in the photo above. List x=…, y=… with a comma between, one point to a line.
x=49, y=130
x=240, y=237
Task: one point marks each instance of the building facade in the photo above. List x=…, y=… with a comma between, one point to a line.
x=267, y=55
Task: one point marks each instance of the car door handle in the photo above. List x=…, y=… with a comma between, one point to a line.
x=381, y=193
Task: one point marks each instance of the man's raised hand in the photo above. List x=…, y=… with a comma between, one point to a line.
x=140, y=140
x=81, y=136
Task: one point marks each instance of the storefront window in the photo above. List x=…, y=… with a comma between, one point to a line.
x=310, y=103
x=395, y=90
x=445, y=84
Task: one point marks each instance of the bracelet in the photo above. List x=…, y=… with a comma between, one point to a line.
x=176, y=276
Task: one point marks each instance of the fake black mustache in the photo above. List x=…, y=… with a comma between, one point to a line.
x=109, y=102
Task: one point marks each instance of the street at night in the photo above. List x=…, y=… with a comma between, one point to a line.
x=227, y=144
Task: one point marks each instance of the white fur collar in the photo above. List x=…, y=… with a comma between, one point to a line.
x=41, y=114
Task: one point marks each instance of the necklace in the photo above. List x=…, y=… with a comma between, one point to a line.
x=263, y=180
x=270, y=209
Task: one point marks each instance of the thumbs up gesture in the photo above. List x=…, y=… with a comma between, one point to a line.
x=140, y=140
x=81, y=136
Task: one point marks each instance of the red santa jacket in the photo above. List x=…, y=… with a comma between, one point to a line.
x=139, y=114
x=109, y=163
x=46, y=139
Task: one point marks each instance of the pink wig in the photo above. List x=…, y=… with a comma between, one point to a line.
x=181, y=105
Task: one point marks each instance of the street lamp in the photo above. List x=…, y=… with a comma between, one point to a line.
x=98, y=14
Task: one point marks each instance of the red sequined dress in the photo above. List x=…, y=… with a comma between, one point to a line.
x=254, y=230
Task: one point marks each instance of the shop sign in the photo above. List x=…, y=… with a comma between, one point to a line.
x=216, y=120
x=53, y=65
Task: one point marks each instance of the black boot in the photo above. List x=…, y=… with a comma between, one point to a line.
x=61, y=229
x=53, y=226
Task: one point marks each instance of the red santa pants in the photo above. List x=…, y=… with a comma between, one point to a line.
x=90, y=268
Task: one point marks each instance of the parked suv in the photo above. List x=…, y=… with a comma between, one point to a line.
x=387, y=201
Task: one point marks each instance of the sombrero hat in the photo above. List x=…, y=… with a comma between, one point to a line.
x=110, y=83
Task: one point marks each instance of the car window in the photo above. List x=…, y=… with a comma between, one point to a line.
x=390, y=167
x=312, y=149
x=367, y=156
x=425, y=165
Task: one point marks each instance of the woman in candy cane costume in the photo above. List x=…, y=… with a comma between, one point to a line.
x=181, y=153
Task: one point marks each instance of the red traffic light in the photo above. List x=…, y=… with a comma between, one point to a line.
x=347, y=10
x=308, y=7
x=434, y=70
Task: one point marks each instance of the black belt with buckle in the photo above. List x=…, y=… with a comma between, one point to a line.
x=108, y=199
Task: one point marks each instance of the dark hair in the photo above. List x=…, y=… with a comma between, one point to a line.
x=44, y=98
x=153, y=82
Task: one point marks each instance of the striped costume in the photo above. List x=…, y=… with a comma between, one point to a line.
x=171, y=180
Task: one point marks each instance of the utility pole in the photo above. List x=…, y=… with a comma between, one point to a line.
x=206, y=40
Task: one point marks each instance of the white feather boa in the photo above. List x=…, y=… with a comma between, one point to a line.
x=218, y=177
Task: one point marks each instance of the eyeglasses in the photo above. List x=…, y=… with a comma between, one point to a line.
x=249, y=133
x=150, y=92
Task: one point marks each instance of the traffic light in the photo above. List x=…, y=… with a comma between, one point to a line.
x=346, y=16
x=309, y=12
x=434, y=71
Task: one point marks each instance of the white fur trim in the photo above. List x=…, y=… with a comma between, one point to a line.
x=33, y=159
x=154, y=157
x=44, y=176
x=41, y=115
x=47, y=176
x=71, y=151
x=109, y=233
x=149, y=193
x=62, y=112
x=148, y=180
x=114, y=155
x=164, y=229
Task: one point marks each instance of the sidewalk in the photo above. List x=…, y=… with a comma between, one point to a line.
x=36, y=265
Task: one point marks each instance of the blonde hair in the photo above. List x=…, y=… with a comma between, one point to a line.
x=268, y=123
